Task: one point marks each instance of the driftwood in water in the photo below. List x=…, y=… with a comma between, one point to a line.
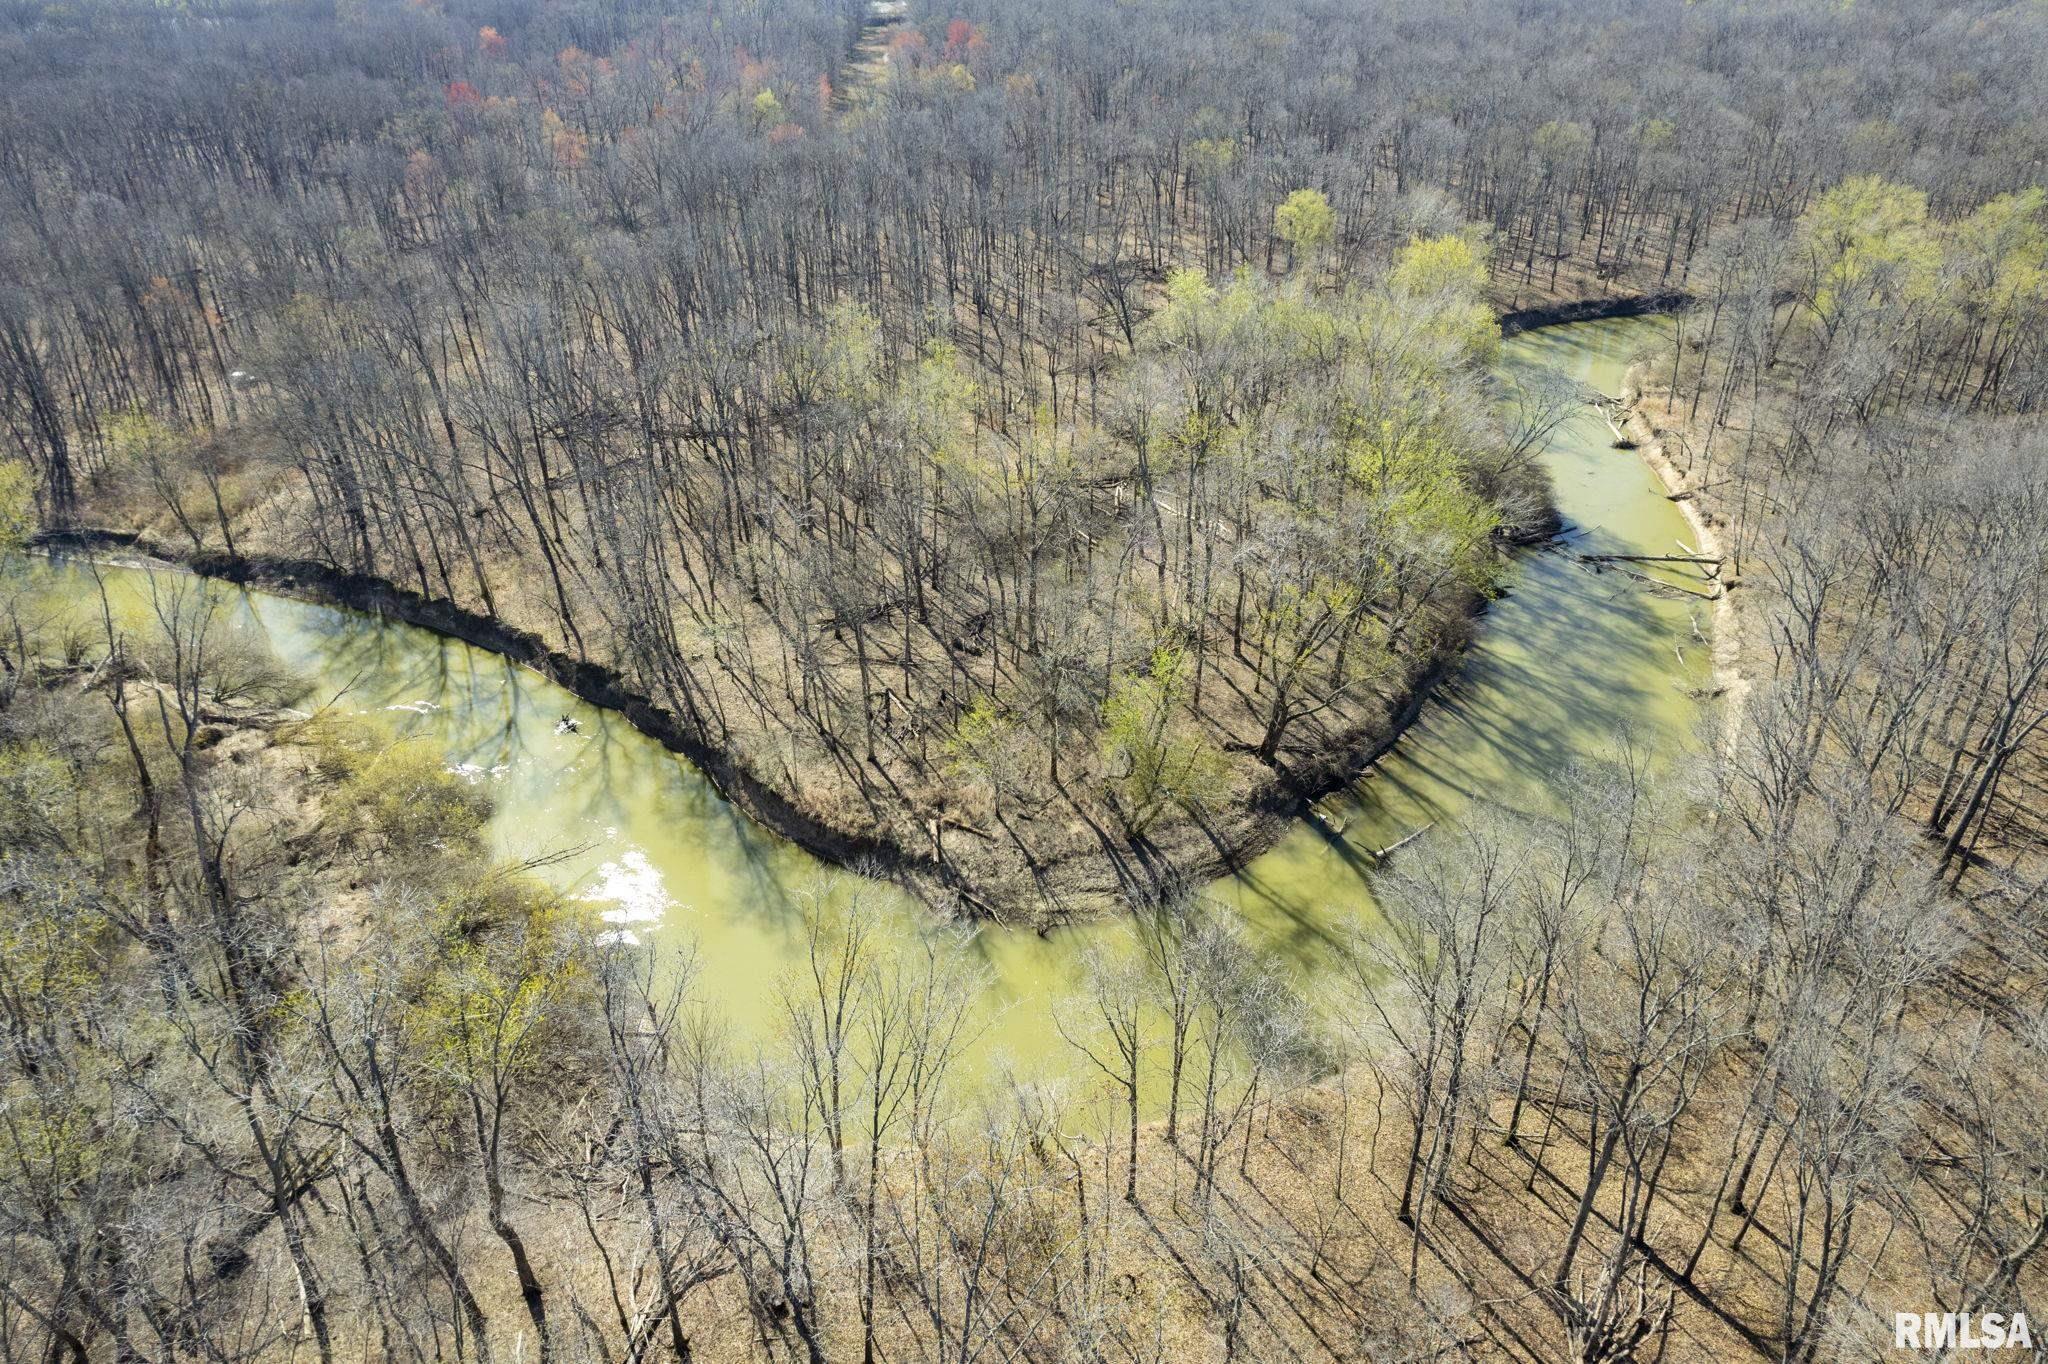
x=1330, y=820
x=1382, y=854
x=1613, y=563
x=1713, y=559
x=1657, y=584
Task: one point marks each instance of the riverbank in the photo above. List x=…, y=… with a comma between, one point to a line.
x=1695, y=500
x=311, y=581
x=1515, y=322
x=1075, y=886
x=1073, y=860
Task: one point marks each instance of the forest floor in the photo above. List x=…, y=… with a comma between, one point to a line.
x=1297, y=1252
x=1699, y=453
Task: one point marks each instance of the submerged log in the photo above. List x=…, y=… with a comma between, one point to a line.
x=1611, y=563
x=1382, y=854
x=1658, y=584
x=1330, y=820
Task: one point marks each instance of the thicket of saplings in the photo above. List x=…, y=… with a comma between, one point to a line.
x=818, y=382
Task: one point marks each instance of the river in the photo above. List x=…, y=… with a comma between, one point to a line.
x=1564, y=661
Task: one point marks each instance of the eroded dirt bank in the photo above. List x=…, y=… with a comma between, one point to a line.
x=952, y=870
x=1073, y=886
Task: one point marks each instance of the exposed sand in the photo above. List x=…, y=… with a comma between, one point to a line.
x=1730, y=684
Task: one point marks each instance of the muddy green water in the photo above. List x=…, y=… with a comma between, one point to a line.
x=1563, y=661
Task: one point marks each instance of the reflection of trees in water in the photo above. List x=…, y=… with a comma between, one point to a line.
x=1562, y=669
x=1558, y=664
x=377, y=662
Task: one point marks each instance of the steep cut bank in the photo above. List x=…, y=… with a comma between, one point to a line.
x=312, y=581
x=946, y=870
x=1521, y=320
x=1187, y=852
x=1569, y=660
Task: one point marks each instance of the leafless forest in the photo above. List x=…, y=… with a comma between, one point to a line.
x=1040, y=447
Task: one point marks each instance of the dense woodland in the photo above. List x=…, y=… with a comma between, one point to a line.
x=820, y=377
x=1035, y=436
x=291, y=1070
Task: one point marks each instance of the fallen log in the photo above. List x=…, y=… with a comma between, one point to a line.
x=1658, y=584
x=1654, y=584
x=1652, y=558
x=1563, y=538
x=1382, y=854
